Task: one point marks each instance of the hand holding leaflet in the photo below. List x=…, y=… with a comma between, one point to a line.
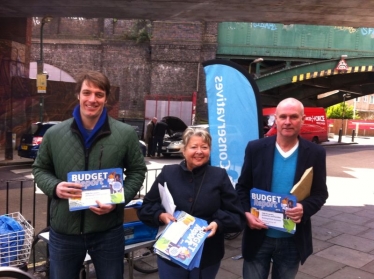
x=104, y=185
x=271, y=209
x=182, y=242
x=167, y=202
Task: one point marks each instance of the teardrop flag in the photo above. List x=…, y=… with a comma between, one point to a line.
x=234, y=114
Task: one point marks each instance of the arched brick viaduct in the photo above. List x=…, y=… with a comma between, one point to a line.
x=167, y=64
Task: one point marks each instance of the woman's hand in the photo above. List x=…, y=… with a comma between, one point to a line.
x=166, y=218
x=212, y=227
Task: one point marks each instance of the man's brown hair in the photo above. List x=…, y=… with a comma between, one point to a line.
x=97, y=78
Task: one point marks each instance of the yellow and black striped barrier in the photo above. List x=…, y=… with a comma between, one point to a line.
x=330, y=72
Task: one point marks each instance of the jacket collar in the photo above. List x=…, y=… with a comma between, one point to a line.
x=102, y=130
x=195, y=171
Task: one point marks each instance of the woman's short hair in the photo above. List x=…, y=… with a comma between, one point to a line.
x=199, y=132
x=97, y=78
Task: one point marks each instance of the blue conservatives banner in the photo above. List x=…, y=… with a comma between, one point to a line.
x=234, y=112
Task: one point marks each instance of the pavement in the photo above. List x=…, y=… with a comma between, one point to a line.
x=343, y=230
x=15, y=161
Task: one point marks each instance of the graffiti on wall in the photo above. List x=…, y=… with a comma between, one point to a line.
x=269, y=26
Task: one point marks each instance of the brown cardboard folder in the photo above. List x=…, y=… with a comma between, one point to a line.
x=302, y=188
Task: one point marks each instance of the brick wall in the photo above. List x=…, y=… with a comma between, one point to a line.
x=168, y=64
x=178, y=49
x=17, y=30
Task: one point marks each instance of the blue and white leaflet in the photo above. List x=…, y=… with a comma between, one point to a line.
x=271, y=208
x=182, y=242
x=104, y=185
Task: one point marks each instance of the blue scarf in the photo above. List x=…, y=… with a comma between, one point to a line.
x=88, y=138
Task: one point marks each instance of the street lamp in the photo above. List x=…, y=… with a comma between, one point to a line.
x=257, y=60
x=41, y=67
x=345, y=95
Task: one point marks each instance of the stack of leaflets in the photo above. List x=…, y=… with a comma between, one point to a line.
x=270, y=208
x=182, y=241
x=104, y=185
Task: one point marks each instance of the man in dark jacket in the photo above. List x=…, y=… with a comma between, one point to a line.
x=275, y=164
x=149, y=135
x=158, y=136
x=91, y=140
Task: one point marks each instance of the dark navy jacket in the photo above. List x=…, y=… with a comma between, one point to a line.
x=217, y=201
x=160, y=129
x=257, y=173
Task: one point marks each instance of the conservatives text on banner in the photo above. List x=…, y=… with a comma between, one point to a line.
x=234, y=112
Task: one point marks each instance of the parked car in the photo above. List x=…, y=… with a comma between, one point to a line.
x=143, y=147
x=174, y=145
x=177, y=127
x=31, y=140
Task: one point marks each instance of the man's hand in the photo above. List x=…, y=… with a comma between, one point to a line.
x=103, y=208
x=295, y=213
x=254, y=223
x=66, y=190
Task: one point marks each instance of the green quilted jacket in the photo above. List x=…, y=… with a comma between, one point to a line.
x=116, y=145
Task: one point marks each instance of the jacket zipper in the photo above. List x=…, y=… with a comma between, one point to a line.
x=86, y=159
x=86, y=155
x=101, y=155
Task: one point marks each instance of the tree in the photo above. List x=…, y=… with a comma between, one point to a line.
x=337, y=111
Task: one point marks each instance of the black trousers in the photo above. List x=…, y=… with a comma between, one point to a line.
x=157, y=145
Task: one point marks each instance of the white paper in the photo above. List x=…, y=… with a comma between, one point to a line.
x=167, y=202
x=166, y=199
x=176, y=232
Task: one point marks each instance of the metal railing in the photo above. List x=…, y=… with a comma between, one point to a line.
x=150, y=177
x=23, y=196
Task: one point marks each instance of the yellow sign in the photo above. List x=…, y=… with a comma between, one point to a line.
x=41, y=83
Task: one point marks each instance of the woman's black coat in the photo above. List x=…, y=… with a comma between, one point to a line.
x=217, y=201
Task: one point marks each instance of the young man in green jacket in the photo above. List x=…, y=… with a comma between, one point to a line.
x=91, y=140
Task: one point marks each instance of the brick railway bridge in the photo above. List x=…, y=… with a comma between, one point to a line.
x=154, y=49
